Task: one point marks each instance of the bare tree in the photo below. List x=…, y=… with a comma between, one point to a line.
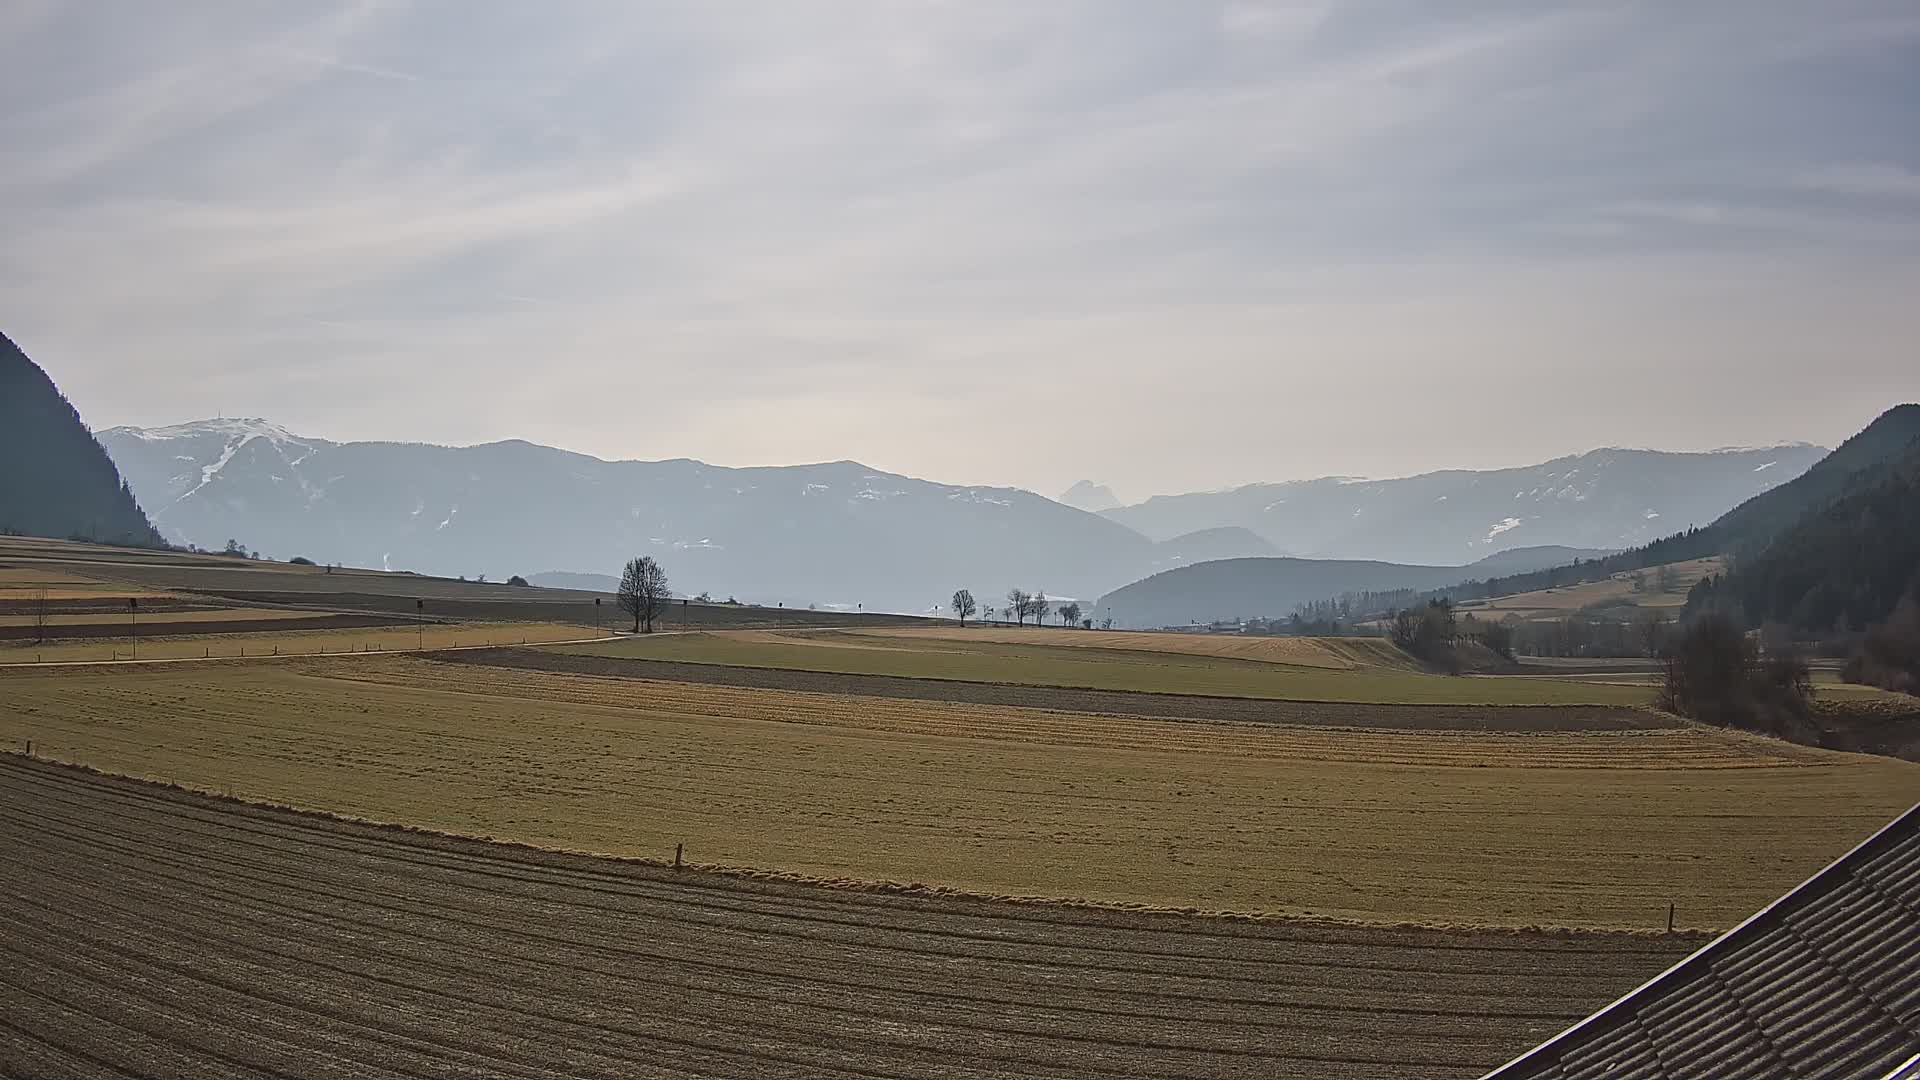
x=1019, y=604
x=1667, y=578
x=964, y=605
x=1041, y=605
x=1070, y=614
x=1653, y=633
x=643, y=591
x=40, y=616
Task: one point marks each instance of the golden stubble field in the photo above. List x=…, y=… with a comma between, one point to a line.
x=1574, y=829
x=172, y=644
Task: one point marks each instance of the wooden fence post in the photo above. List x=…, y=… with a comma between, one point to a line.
x=29, y=747
x=677, y=848
x=1669, y=918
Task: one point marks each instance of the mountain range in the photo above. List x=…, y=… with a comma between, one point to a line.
x=838, y=533
x=843, y=533
x=1608, y=498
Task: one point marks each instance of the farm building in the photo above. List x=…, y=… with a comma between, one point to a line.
x=1825, y=982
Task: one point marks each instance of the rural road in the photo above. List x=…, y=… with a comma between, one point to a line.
x=152, y=933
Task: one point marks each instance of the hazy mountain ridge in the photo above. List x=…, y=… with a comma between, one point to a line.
x=836, y=532
x=1228, y=589
x=828, y=533
x=1605, y=499
x=55, y=478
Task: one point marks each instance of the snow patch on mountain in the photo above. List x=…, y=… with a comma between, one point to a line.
x=1504, y=525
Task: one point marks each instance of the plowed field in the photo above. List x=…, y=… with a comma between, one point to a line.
x=159, y=935
x=1599, y=828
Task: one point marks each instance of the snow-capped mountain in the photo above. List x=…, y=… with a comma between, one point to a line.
x=1609, y=498
x=833, y=533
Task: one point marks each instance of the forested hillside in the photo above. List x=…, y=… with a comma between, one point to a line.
x=55, y=480
x=1841, y=566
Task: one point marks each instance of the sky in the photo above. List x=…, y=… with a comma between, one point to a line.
x=1162, y=245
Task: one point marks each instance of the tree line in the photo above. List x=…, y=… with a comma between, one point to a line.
x=1021, y=606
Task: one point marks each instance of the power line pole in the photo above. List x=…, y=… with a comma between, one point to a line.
x=420, y=621
x=133, y=613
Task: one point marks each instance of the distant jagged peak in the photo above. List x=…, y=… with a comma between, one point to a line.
x=1089, y=496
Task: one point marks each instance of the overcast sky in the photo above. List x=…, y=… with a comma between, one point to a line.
x=1163, y=245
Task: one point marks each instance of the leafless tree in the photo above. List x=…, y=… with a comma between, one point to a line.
x=1041, y=605
x=1019, y=604
x=643, y=591
x=964, y=605
x=1667, y=578
x=1653, y=633
x=1070, y=614
x=40, y=616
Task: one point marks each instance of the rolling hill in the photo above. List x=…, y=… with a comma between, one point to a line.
x=55, y=480
x=1227, y=589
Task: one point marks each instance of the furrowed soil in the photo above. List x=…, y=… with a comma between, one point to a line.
x=1129, y=668
x=1599, y=828
x=162, y=935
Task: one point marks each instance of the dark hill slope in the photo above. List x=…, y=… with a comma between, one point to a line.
x=55, y=480
x=1840, y=566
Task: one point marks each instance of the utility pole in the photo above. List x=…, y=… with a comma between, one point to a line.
x=420, y=621
x=133, y=613
x=596, y=616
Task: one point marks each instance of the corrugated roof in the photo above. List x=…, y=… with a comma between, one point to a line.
x=1823, y=983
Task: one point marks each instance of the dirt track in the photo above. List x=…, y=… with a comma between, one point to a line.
x=153, y=933
x=1117, y=702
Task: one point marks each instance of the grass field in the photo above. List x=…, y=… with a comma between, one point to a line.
x=1338, y=654
x=155, y=934
x=1616, y=590
x=1585, y=829
x=1038, y=662
x=161, y=623
x=387, y=637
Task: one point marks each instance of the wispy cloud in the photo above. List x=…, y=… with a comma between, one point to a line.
x=1216, y=240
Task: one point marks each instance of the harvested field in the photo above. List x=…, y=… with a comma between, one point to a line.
x=1338, y=654
x=1517, y=718
x=338, y=634
x=188, y=623
x=137, y=571
x=932, y=657
x=163, y=935
x=1575, y=829
x=1615, y=591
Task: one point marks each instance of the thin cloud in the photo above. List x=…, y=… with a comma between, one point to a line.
x=1217, y=241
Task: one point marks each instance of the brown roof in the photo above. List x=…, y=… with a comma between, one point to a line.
x=1825, y=982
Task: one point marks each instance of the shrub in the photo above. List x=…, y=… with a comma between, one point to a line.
x=516, y=580
x=1713, y=673
x=300, y=560
x=1889, y=655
